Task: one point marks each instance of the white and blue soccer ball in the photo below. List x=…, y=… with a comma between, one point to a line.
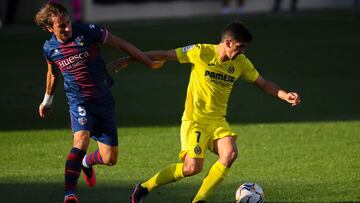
x=249, y=193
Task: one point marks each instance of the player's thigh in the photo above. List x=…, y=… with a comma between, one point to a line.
x=225, y=145
x=194, y=140
x=81, y=139
x=105, y=129
x=108, y=153
x=81, y=124
x=81, y=117
x=220, y=130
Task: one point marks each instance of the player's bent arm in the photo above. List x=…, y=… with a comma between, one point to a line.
x=51, y=83
x=122, y=45
x=273, y=89
x=51, y=79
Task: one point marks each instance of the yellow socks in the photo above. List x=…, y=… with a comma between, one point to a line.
x=171, y=173
x=215, y=176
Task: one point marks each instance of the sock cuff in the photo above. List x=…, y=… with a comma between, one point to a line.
x=78, y=151
x=169, y=174
x=223, y=170
x=84, y=162
x=178, y=172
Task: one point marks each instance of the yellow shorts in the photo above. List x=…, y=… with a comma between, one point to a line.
x=197, y=137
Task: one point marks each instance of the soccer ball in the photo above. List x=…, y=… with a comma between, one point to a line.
x=249, y=193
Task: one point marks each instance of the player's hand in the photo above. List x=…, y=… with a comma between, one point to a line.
x=118, y=64
x=43, y=110
x=293, y=98
x=157, y=64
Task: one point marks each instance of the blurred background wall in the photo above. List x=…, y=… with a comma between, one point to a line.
x=313, y=51
x=171, y=8
x=104, y=10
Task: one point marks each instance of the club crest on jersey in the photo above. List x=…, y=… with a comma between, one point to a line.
x=231, y=69
x=91, y=26
x=197, y=150
x=82, y=121
x=56, y=51
x=187, y=48
x=80, y=40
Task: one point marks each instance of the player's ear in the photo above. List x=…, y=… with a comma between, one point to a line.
x=48, y=28
x=227, y=43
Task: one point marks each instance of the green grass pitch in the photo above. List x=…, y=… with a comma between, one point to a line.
x=293, y=162
x=304, y=154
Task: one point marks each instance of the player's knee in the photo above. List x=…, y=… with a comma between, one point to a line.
x=228, y=158
x=110, y=160
x=191, y=169
x=81, y=140
x=81, y=144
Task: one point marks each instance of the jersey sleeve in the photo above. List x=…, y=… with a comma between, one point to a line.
x=98, y=33
x=46, y=52
x=250, y=74
x=188, y=54
x=47, y=60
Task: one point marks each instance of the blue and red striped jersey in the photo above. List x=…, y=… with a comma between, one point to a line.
x=80, y=62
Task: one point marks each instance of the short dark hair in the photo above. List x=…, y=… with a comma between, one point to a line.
x=43, y=17
x=238, y=31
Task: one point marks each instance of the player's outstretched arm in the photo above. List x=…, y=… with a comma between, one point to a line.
x=158, y=56
x=118, y=64
x=161, y=55
x=273, y=89
x=122, y=45
x=51, y=82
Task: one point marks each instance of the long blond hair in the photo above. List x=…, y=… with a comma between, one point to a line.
x=43, y=17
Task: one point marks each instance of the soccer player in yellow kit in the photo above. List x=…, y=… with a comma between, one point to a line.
x=214, y=70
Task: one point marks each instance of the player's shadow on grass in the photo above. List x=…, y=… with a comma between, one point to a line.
x=53, y=192
x=118, y=193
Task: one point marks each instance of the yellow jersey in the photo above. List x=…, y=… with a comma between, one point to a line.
x=211, y=81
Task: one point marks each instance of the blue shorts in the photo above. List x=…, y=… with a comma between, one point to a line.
x=97, y=117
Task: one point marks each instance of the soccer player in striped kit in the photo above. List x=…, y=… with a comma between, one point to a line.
x=74, y=50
